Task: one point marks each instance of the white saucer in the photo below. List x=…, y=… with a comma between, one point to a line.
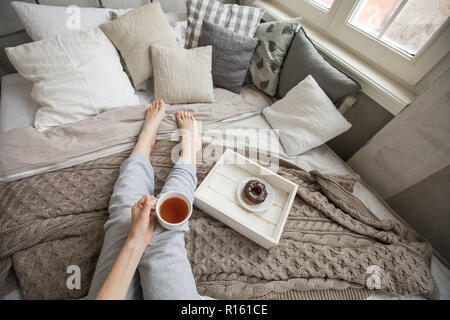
x=257, y=208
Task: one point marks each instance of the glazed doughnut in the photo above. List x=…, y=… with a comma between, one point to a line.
x=254, y=192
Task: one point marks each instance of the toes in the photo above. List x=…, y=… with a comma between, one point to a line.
x=184, y=115
x=157, y=105
x=179, y=117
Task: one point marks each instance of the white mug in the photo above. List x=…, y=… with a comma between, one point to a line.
x=164, y=197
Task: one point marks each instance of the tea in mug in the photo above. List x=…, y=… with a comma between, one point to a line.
x=173, y=210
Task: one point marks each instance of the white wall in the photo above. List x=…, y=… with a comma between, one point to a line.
x=412, y=146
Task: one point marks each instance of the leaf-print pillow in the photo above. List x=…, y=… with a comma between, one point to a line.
x=274, y=39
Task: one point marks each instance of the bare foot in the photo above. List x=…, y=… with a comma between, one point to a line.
x=147, y=137
x=190, y=138
x=155, y=114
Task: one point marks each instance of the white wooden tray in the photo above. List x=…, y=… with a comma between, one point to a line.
x=216, y=196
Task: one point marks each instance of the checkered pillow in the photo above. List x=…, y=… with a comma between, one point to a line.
x=240, y=19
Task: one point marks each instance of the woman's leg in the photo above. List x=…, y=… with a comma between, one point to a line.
x=135, y=180
x=165, y=271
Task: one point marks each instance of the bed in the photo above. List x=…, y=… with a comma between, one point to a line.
x=17, y=115
x=17, y=110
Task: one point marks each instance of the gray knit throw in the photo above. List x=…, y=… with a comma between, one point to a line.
x=329, y=248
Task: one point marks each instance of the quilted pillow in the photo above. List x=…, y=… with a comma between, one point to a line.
x=241, y=19
x=274, y=39
x=42, y=22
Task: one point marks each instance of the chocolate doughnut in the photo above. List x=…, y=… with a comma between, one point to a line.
x=254, y=192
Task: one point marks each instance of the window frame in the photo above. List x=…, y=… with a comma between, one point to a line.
x=316, y=4
x=401, y=66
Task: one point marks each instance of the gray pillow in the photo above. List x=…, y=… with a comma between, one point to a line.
x=231, y=55
x=302, y=60
x=274, y=39
x=11, y=40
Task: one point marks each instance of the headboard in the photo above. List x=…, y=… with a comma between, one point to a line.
x=10, y=22
x=12, y=32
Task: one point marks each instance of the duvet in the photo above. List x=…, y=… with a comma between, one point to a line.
x=54, y=201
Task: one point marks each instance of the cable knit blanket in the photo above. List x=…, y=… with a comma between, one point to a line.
x=332, y=246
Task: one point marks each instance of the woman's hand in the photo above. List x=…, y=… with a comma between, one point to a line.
x=142, y=222
x=141, y=230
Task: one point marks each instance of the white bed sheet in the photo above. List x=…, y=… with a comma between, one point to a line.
x=17, y=109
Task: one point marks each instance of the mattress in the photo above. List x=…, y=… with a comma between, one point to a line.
x=17, y=109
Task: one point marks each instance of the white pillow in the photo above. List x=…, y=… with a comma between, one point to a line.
x=305, y=118
x=74, y=77
x=43, y=21
x=183, y=75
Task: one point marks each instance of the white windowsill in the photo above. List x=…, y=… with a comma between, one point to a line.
x=386, y=92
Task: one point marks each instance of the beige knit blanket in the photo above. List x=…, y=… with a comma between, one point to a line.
x=329, y=248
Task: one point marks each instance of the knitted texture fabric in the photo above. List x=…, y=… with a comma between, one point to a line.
x=330, y=243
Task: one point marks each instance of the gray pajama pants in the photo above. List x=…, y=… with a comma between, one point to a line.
x=164, y=271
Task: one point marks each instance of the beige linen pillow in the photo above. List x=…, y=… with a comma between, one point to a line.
x=133, y=34
x=183, y=75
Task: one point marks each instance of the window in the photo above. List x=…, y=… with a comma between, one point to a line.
x=406, y=25
x=405, y=38
x=324, y=4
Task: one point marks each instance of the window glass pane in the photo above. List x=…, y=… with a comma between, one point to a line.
x=408, y=25
x=416, y=23
x=371, y=15
x=323, y=3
